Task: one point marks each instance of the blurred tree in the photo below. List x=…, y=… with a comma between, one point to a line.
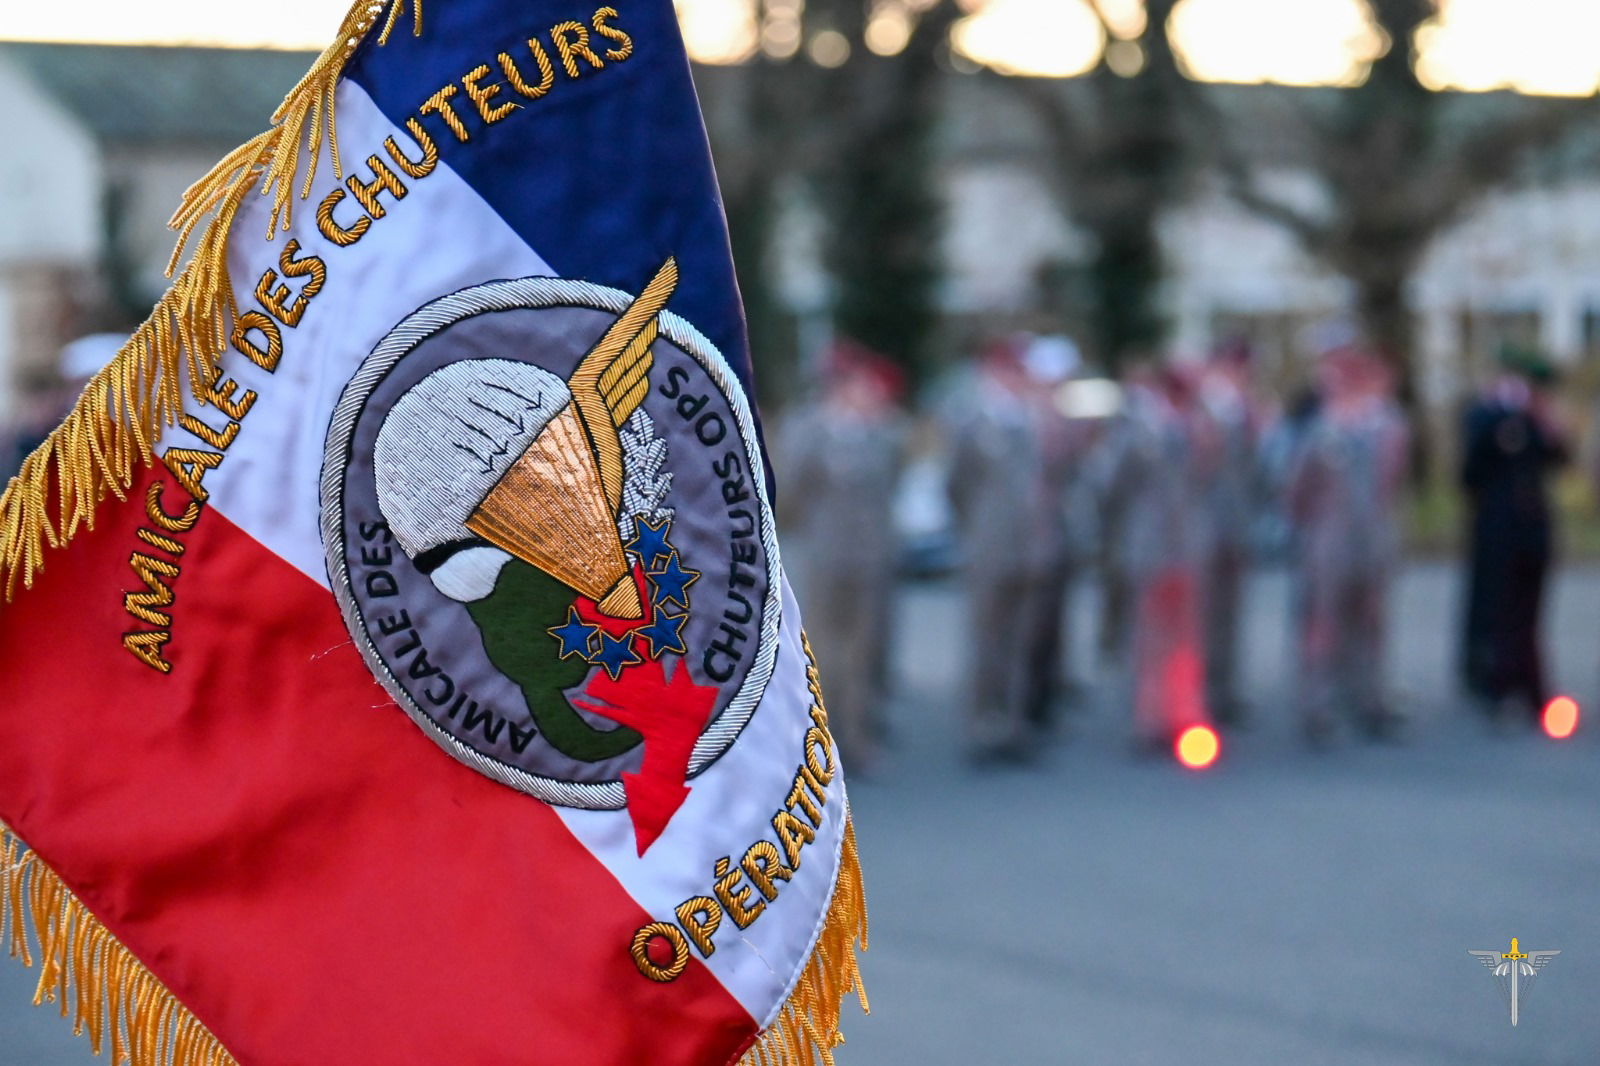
x=856, y=128
x=1398, y=165
x=1118, y=159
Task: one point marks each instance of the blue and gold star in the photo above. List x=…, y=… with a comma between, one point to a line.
x=615, y=653
x=672, y=582
x=650, y=542
x=665, y=633
x=576, y=636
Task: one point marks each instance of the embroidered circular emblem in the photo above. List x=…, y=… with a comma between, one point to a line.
x=546, y=525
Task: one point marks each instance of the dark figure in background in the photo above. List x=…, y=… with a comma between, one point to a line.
x=1511, y=442
x=1230, y=419
x=1049, y=362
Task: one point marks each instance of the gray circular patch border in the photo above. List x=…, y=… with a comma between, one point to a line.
x=542, y=293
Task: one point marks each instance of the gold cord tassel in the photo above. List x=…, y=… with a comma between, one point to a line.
x=92, y=978
x=115, y=423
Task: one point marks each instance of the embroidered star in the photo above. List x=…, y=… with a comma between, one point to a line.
x=665, y=633
x=576, y=636
x=649, y=542
x=672, y=582
x=615, y=653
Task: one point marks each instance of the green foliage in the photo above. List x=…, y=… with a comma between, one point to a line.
x=886, y=221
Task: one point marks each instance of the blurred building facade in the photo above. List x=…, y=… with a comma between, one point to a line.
x=101, y=142
x=113, y=135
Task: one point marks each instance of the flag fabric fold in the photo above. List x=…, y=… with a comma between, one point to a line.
x=402, y=667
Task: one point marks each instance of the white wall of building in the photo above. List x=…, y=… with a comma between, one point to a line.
x=51, y=180
x=50, y=223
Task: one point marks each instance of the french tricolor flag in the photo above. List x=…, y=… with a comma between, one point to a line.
x=400, y=663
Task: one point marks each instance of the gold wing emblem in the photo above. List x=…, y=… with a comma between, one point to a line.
x=613, y=379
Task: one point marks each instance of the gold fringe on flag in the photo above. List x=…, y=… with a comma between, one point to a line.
x=95, y=980
x=116, y=421
x=807, y=1027
x=806, y=1030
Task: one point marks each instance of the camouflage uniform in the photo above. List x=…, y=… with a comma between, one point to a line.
x=1146, y=470
x=997, y=487
x=841, y=467
x=1343, y=493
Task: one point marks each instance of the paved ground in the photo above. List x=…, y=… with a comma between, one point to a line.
x=1284, y=909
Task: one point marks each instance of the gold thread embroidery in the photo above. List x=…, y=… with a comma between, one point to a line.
x=343, y=236
x=158, y=514
x=699, y=916
x=257, y=321
x=366, y=192
x=806, y=1028
x=640, y=949
x=737, y=900
x=480, y=95
x=547, y=72
x=189, y=466
x=425, y=143
x=159, y=540
x=219, y=441
x=572, y=40
x=624, y=47
x=142, y=605
x=439, y=104
x=147, y=647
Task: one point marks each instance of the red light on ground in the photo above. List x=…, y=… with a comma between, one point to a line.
x=1560, y=718
x=1197, y=747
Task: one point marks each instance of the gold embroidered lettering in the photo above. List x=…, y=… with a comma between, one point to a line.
x=152, y=572
x=640, y=949
x=366, y=192
x=189, y=466
x=736, y=904
x=624, y=47
x=146, y=647
x=699, y=916
x=793, y=834
x=763, y=866
x=572, y=40
x=480, y=95
x=547, y=72
x=159, y=540
x=343, y=236
x=254, y=321
x=430, y=151
x=163, y=520
x=219, y=441
x=439, y=104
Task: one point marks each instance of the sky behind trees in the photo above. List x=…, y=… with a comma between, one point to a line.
x=1536, y=46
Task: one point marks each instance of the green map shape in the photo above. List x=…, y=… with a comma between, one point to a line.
x=514, y=621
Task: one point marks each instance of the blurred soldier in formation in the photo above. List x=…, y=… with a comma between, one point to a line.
x=1511, y=441
x=1343, y=496
x=1009, y=528
x=1064, y=443
x=842, y=457
x=1147, y=473
x=1231, y=421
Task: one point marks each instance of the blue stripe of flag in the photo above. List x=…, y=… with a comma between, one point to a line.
x=605, y=175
